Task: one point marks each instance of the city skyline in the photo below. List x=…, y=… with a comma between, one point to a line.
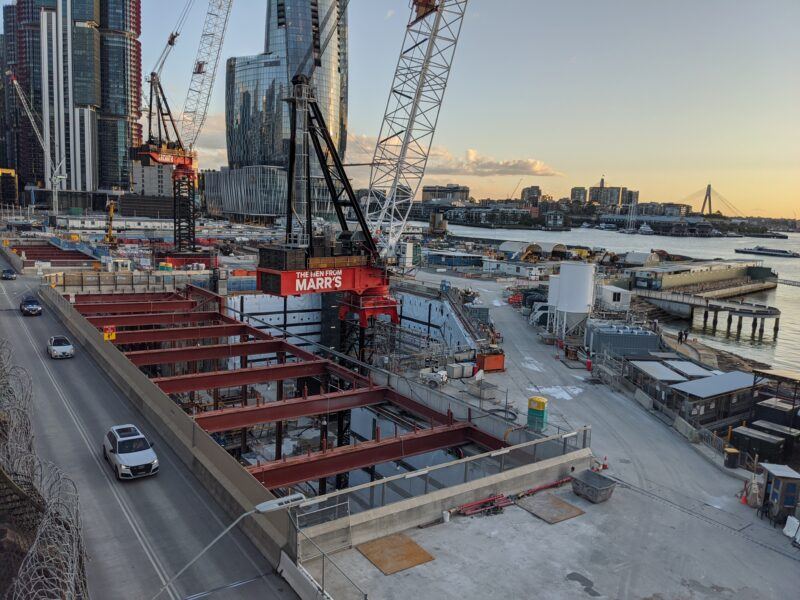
x=709, y=98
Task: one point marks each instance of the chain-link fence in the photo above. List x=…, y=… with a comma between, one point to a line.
x=40, y=530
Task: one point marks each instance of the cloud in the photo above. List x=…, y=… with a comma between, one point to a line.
x=389, y=14
x=444, y=162
x=212, y=151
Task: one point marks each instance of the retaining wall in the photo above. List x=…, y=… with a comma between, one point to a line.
x=222, y=476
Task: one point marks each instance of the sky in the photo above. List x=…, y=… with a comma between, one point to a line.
x=663, y=96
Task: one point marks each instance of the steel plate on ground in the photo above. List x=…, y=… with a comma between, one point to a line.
x=549, y=508
x=394, y=553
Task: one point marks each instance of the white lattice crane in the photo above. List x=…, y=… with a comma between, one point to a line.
x=204, y=73
x=412, y=112
x=55, y=175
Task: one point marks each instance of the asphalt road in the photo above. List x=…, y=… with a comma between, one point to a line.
x=137, y=533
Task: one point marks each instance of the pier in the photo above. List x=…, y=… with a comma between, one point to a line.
x=685, y=305
x=788, y=282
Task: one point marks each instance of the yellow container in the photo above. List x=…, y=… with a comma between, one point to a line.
x=537, y=403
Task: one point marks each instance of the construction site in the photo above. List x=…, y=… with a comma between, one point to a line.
x=429, y=434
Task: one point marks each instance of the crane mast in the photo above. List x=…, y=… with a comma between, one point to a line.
x=412, y=112
x=205, y=70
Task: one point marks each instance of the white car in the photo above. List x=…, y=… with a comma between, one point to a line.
x=129, y=452
x=60, y=347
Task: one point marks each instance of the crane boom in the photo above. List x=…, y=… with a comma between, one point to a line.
x=412, y=112
x=27, y=108
x=195, y=107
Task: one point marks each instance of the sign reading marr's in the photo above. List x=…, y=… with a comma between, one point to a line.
x=319, y=280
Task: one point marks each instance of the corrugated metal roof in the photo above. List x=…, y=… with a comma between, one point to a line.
x=657, y=371
x=781, y=470
x=688, y=368
x=716, y=385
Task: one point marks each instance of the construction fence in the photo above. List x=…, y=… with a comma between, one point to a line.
x=41, y=548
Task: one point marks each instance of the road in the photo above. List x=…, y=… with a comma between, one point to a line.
x=137, y=533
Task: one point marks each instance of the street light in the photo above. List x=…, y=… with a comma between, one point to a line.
x=263, y=507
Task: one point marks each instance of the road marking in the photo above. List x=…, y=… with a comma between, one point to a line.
x=126, y=510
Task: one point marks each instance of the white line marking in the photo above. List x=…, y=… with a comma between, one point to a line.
x=126, y=510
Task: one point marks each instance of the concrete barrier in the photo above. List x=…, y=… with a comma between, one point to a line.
x=13, y=259
x=643, y=399
x=686, y=430
x=221, y=475
x=422, y=510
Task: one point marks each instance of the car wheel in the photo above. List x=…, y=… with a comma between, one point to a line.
x=117, y=475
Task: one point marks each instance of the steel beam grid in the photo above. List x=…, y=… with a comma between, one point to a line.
x=131, y=297
x=247, y=416
x=412, y=111
x=315, y=465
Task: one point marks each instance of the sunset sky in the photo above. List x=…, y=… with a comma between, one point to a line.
x=659, y=96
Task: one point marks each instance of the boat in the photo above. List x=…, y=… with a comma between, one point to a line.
x=768, y=252
x=628, y=231
x=733, y=234
x=586, y=225
x=645, y=229
x=607, y=227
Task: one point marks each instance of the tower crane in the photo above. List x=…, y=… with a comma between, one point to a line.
x=165, y=144
x=412, y=112
x=55, y=175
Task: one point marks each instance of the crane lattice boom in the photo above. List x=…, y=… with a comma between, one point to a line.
x=205, y=70
x=412, y=111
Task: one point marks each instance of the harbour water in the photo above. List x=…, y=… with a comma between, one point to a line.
x=781, y=352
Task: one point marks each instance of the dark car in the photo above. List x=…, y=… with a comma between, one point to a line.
x=30, y=307
x=9, y=274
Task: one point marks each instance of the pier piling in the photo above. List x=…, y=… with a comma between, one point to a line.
x=705, y=318
x=730, y=322
x=739, y=326
x=776, y=327
x=714, y=322
x=753, y=328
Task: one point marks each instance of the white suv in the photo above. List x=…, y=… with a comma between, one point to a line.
x=129, y=453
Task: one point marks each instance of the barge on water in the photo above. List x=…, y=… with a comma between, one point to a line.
x=768, y=252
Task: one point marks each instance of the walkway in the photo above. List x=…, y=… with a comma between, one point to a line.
x=735, y=307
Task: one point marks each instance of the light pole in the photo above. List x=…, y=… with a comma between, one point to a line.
x=263, y=507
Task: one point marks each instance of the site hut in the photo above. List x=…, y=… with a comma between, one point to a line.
x=757, y=444
x=776, y=410
x=715, y=401
x=790, y=436
x=783, y=384
x=453, y=258
x=654, y=378
x=780, y=491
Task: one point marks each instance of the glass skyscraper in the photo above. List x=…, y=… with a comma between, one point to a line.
x=79, y=62
x=257, y=118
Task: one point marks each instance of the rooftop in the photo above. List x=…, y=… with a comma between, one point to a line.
x=716, y=385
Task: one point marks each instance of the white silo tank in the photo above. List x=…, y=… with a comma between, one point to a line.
x=576, y=287
x=552, y=291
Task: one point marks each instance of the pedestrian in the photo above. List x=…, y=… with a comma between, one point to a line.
x=686, y=335
x=680, y=337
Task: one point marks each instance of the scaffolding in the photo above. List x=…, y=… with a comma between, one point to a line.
x=401, y=349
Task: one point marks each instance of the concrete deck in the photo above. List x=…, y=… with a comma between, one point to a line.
x=678, y=531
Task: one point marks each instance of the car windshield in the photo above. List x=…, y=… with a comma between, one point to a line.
x=30, y=301
x=134, y=445
x=60, y=341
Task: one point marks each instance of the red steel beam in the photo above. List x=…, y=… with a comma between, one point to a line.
x=170, y=334
x=131, y=297
x=186, y=354
x=236, y=377
x=102, y=308
x=247, y=416
x=316, y=465
x=140, y=320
